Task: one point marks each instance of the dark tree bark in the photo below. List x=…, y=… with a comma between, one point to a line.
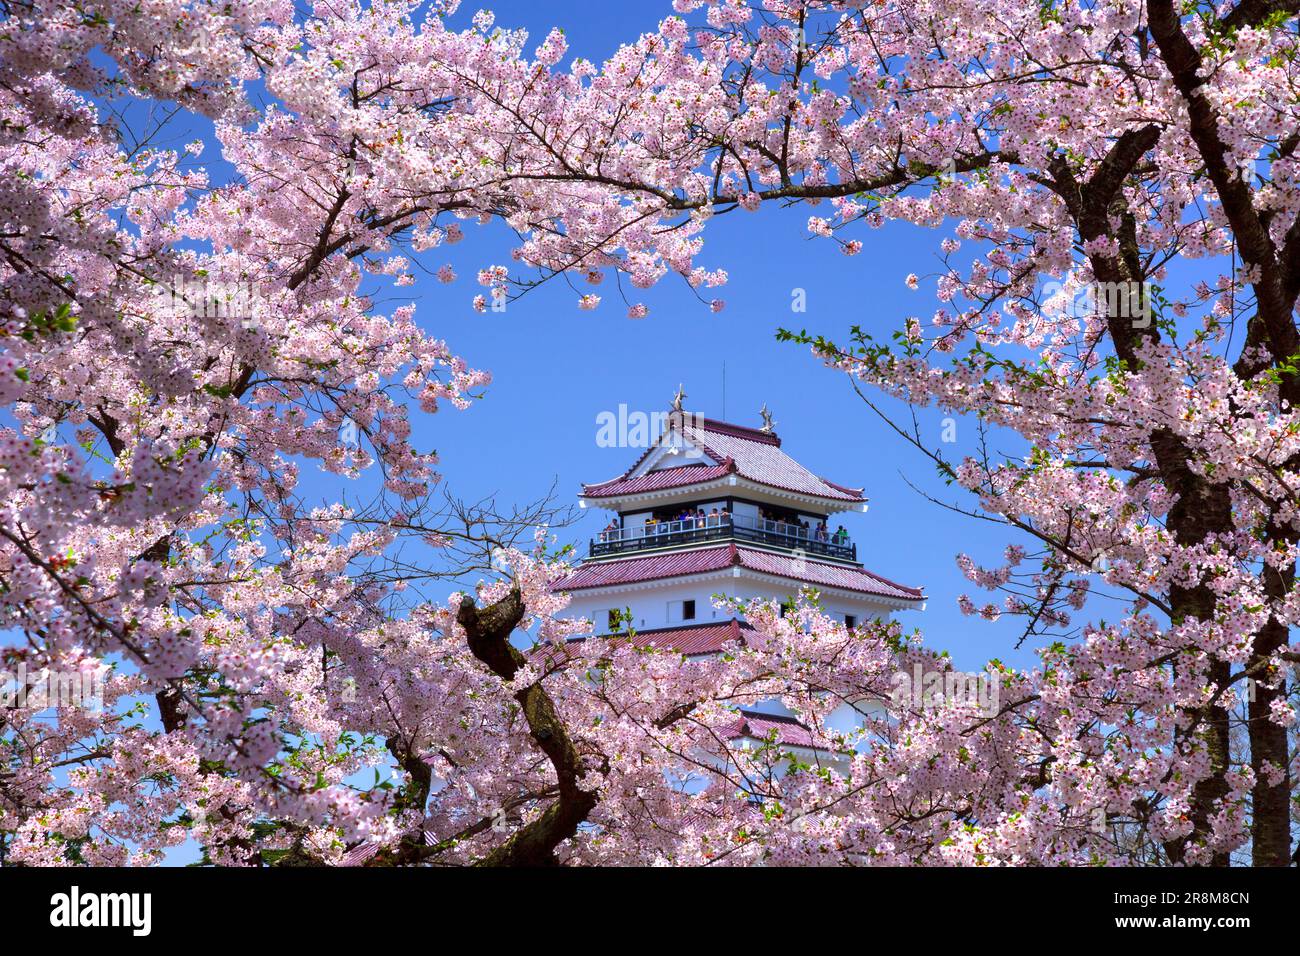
x=488, y=631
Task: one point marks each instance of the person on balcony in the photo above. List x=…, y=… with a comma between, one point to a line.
x=841, y=537
x=773, y=522
x=713, y=518
x=822, y=534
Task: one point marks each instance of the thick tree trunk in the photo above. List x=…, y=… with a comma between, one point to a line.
x=488, y=632
x=1270, y=802
x=1200, y=510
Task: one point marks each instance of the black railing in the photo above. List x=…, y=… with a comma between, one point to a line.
x=664, y=534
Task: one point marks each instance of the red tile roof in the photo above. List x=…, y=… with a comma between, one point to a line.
x=829, y=575
x=658, y=480
x=748, y=452
x=362, y=852
x=596, y=574
x=700, y=639
x=692, y=640
x=358, y=855
x=788, y=730
x=758, y=457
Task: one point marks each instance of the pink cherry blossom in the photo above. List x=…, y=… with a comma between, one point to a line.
x=201, y=322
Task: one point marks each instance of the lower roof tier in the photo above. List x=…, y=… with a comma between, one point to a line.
x=699, y=640
x=679, y=564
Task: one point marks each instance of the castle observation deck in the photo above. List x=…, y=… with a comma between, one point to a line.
x=708, y=496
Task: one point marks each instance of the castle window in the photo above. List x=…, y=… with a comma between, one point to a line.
x=850, y=621
x=681, y=611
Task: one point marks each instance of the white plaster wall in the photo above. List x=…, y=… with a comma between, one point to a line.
x=650, y=607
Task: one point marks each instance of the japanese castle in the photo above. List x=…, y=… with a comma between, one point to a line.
x=717, y=508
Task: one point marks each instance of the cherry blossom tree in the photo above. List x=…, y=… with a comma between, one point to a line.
x=1076, y=158
x=175, y=349
x=178, y=344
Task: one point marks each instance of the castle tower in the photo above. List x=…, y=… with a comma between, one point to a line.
x=712, y=507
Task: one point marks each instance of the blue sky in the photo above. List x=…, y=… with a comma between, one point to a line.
x=556, y=368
